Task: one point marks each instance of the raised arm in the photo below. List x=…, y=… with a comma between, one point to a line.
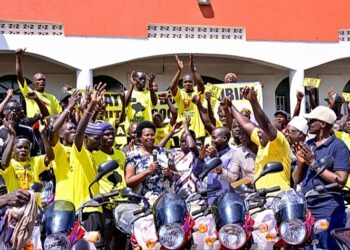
x=300, y=96
x=8, y=97
x=19, y=68
x=243, y=121
x=262, y=119
x=7, y=154
x=196, y=76
x=57, y=125
x=174, y=130
x=173, y=110
x=226, y=105
x=154, y=98
x=131, y=88
x=191, y=144
x=121, y=117
x=176, y=78
x=96, y=97
x=209, y=126
x=42, y=107
x=49, y=154
x=208, y=97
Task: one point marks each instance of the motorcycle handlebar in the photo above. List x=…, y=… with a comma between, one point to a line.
x=203, y=192
x=321, y=188
x=265, y=191
x=102, y=197
x=139, y=210
x=196, y=212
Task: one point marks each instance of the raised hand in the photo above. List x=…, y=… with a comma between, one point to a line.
x=10, y=124
x=97, y=94
x=43, y=125
x=74, y=98
x=249, y=94
x=208, y=96
x=211, y=151
x=188, y=121
x=177, y=127
x=203, y=152
x=300, y=95
x=180, y=64
x=196, y=99
x=151, y=77
x=331, y=96
x=9, y=93
x=20, y=52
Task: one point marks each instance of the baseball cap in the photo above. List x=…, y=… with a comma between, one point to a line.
x=282, y=112
x=338, y=98
x=322, y=113
x=300, y=123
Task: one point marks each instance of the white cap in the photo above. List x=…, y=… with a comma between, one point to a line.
x=322, y=113
x=300, y=123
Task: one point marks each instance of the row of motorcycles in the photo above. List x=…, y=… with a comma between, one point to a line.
x=247, y=218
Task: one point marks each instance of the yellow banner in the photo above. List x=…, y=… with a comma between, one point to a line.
x=346, y=96
x=312, y=82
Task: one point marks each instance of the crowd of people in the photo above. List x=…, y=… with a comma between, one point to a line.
x=68, y=138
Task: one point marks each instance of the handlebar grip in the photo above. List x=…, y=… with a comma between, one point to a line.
x=196, y=212
x=205, y=191
x=330, y=186
x=139, y=210
x=102, y=197
x=273, y=189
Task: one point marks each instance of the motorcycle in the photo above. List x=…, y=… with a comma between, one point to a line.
x=234, y=223
x=167, y=225
x=62, y=229
x=285, y=221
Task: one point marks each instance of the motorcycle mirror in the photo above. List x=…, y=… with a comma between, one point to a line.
x=127, y=192
x=270, y=168
x=115, y=178
x=103, y=169
x=209, y=166
x=323, y=164
x=36, y=187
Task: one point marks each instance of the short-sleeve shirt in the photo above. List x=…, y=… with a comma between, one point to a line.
x=20, y=175
x=84, y=172
x=49, y=100
x=161, y=133
x=101, y=157
x=62, y=171
x=187, y=107
x=140, y=106
x=277, y=150
x=153, y=184
x=326, y=204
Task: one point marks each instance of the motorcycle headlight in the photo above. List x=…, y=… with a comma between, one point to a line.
x=171, y=236
x=293, y=232
x=232, y=236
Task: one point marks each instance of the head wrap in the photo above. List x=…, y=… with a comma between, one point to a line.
x=94, y=129
x=106, y=126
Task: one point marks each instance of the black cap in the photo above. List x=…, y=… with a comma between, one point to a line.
x=282, y=112
x=338, y=98
x=64, y=96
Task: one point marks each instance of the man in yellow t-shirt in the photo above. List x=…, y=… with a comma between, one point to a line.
x=107, y=152
x=272, y=144
x=183, y=98
x=39, y=79
x=139, y=102
x=61, y=139
x=84, y=169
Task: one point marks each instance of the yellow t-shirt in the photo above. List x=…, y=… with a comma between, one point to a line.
x=84, y=172
x=345, y=137
x=140, y=106
x=100, y=157
x=277, y=150
x=20, y=175
x=49, y=100
x=187, y=107
x=62, y=172
x=161, y=133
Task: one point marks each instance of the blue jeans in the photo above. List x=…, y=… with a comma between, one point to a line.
x=325, y=239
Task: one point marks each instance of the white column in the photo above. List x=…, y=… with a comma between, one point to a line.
x=84, y=78
x=296, y=78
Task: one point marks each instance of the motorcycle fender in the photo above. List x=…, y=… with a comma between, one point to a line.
x=199, y=238
x=145, y=231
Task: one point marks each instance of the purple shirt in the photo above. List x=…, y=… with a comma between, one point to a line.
x=215, y=180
